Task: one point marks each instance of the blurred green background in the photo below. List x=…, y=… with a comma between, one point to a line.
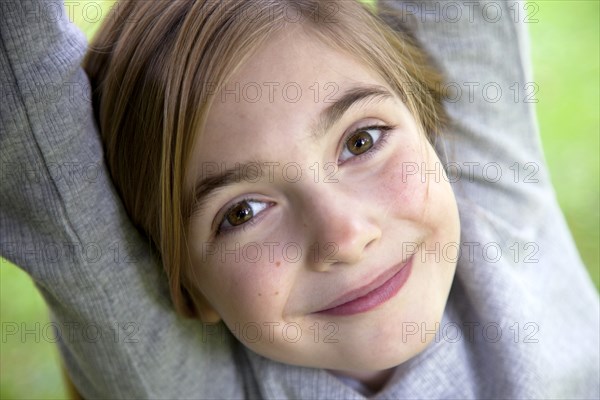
x=565, y=52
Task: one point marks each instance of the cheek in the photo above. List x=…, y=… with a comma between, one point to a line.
x=247, y=282
x=401, y=188
x=412, y=186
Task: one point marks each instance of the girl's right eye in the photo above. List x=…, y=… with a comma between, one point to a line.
x=241, y=213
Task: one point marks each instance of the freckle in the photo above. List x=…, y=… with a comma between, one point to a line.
x=278, y=263
x=260, y=294
x=276, y=293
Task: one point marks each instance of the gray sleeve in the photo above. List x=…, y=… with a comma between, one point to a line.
x=62, y=222
x=493, y=154
x=492, y=147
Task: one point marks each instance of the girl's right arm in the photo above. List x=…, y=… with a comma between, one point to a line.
x=63, y=223
x=493, y=153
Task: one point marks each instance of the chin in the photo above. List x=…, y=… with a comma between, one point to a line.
x=392, y=355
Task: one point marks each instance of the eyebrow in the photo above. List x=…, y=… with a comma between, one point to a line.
x=358, y=94
x=205, y=186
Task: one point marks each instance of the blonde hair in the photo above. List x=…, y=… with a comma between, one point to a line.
x=153, y=66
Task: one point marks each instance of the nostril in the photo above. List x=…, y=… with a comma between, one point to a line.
x=371, y=243
x=323, y=252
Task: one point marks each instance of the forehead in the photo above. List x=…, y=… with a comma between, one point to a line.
x=275, y=96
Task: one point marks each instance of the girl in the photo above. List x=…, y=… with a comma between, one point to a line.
x=281, y=253
x=362, y=306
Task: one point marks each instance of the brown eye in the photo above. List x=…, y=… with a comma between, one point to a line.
x=363, y=140
x=360, y=142
x=239, y=214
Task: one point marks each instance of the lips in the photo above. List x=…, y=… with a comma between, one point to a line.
x=367, y=297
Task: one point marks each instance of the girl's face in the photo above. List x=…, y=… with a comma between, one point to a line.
x=317, y=188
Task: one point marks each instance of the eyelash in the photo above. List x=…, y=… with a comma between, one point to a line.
x=381, y=142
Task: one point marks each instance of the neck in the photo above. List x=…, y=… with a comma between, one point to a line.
x=374, y=380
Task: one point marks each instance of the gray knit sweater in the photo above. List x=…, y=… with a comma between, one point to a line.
x=522, y=319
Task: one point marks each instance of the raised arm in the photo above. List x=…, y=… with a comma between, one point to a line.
x=493, y=154
x=62, y=222
x=492, y=146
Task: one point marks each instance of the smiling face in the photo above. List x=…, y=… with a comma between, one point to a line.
x=342, y=208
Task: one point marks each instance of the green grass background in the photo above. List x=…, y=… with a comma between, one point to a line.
x=565, y=53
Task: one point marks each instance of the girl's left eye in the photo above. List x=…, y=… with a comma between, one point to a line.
x=241, y=213
x=362, y=140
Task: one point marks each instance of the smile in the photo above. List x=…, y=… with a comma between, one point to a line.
x=370, y=296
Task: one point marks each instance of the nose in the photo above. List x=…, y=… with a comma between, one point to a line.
x=341, y=226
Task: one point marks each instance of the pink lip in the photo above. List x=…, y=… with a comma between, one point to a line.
x=370, y=296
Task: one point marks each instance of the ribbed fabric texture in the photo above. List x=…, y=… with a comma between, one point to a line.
x=527, y=329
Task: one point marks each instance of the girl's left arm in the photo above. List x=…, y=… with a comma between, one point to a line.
x=63, y=223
